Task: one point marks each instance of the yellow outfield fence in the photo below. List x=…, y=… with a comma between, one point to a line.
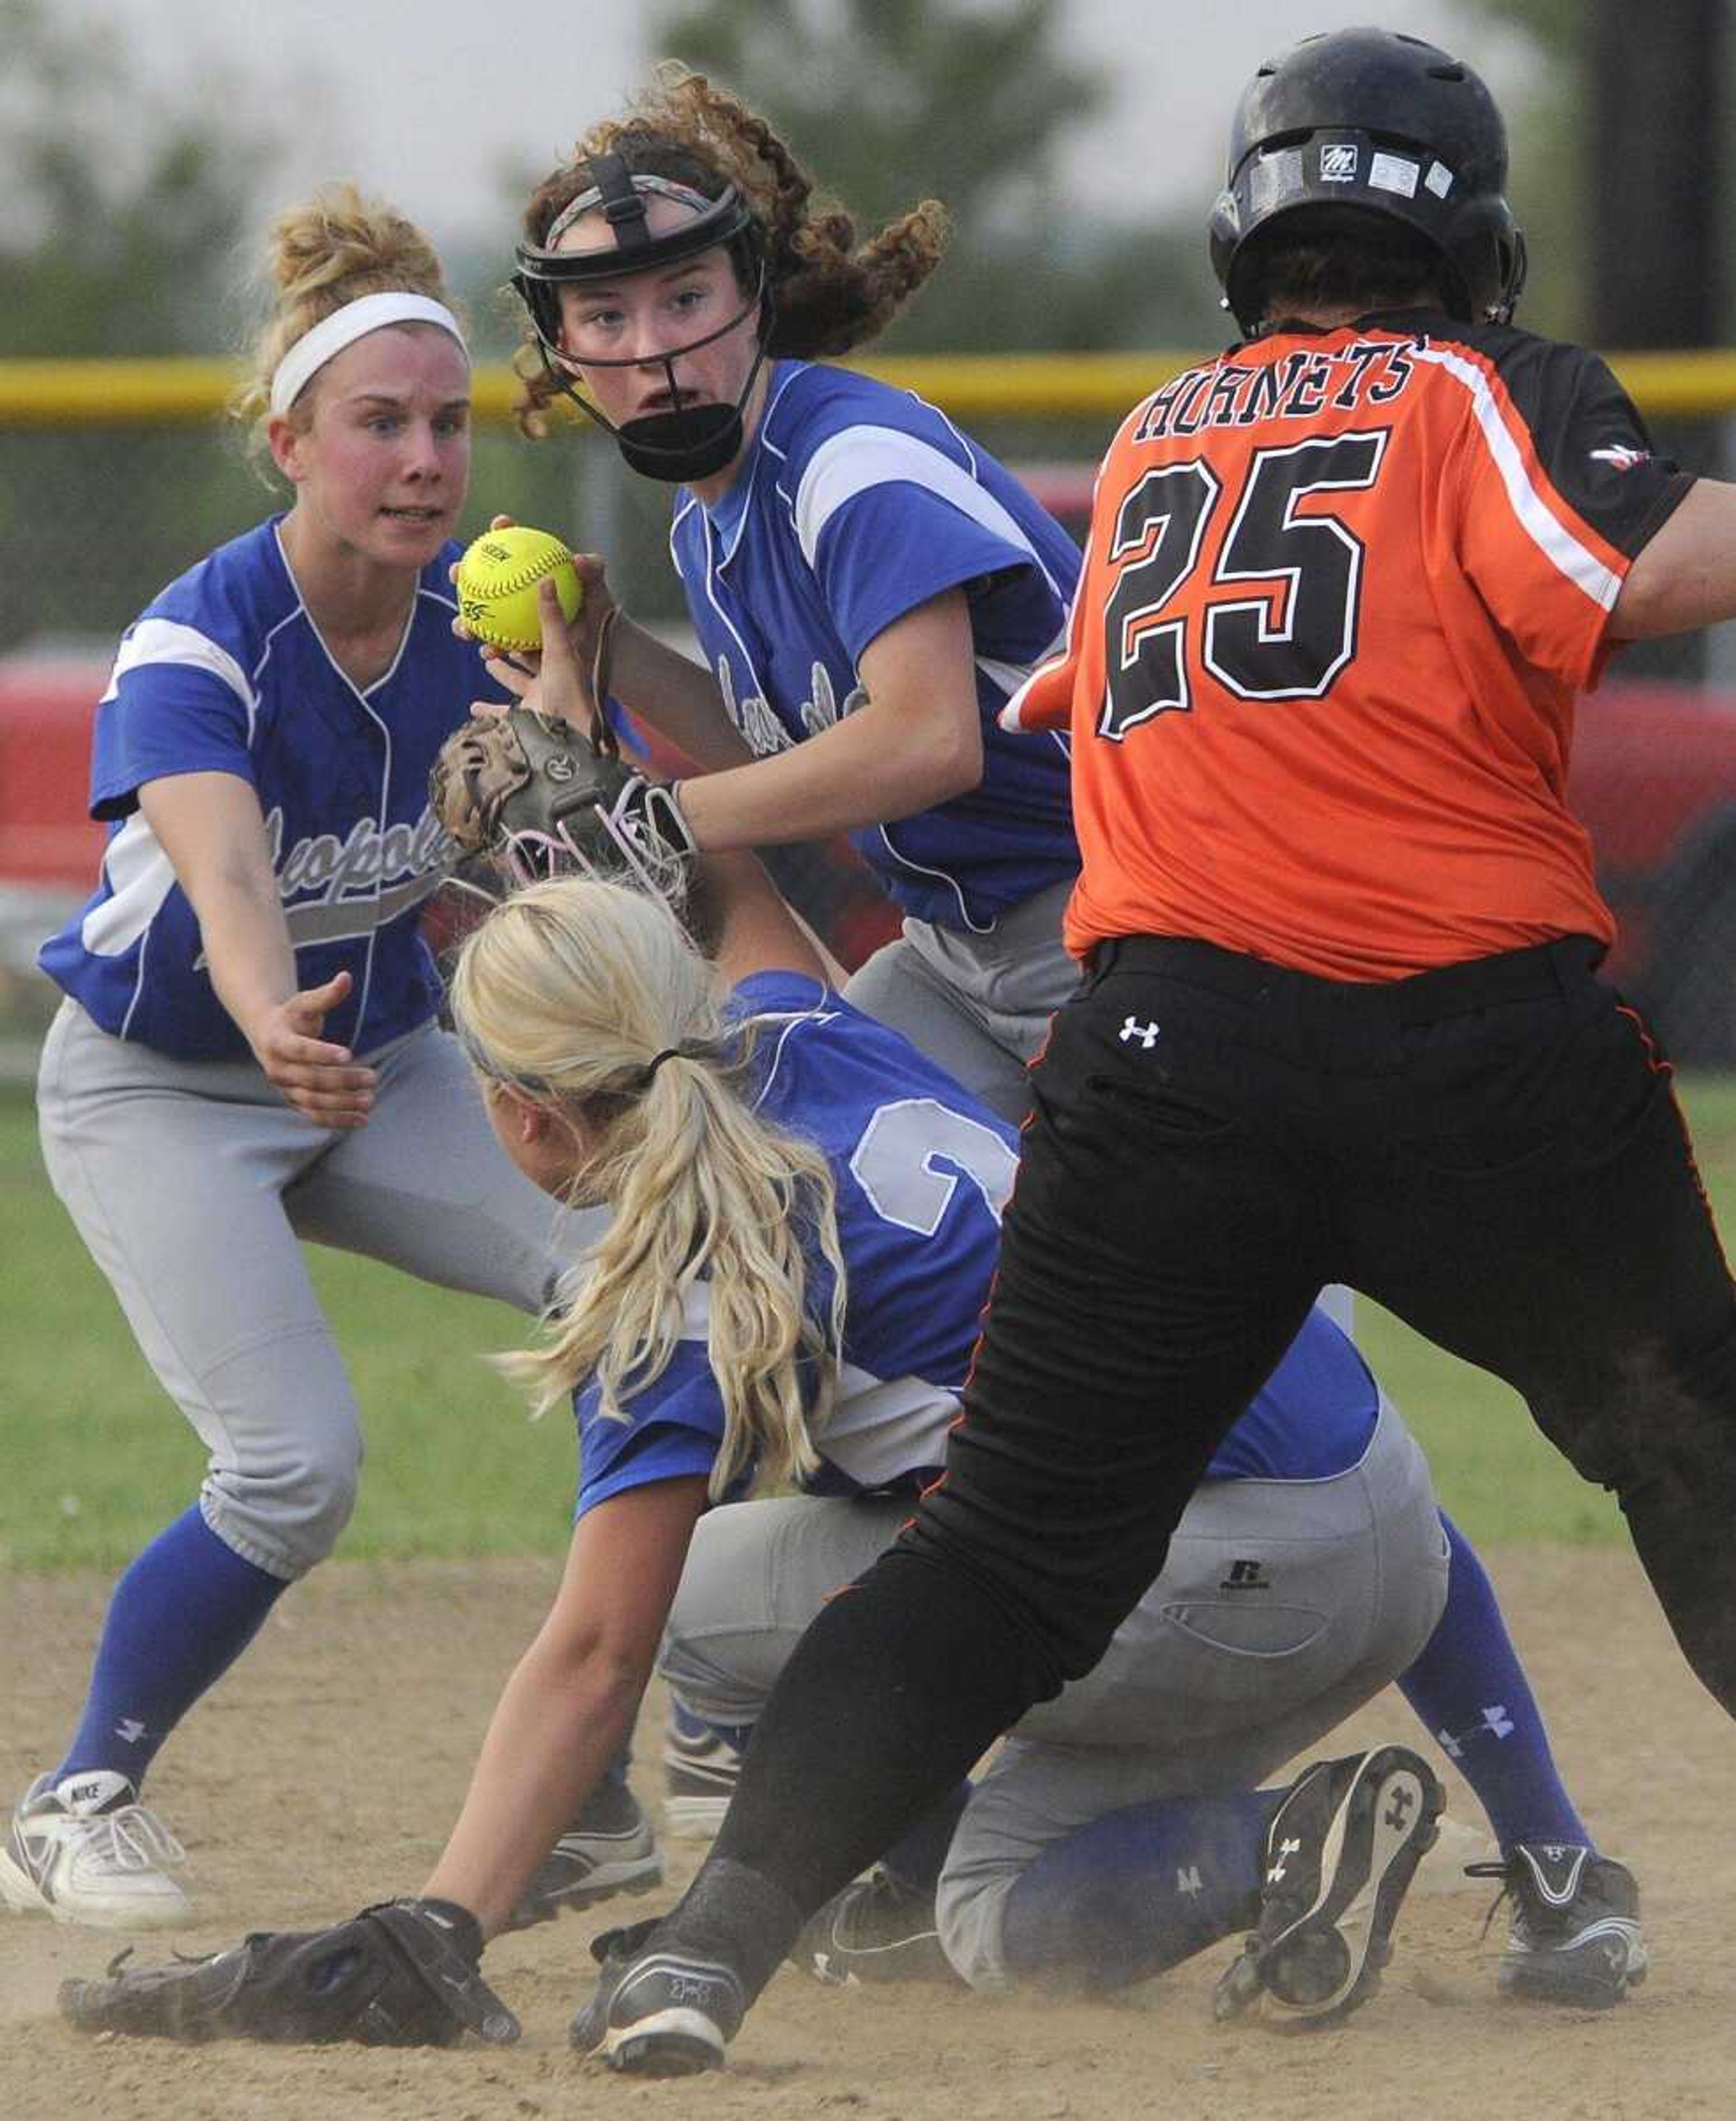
x=115, y=476
x=1034, y=386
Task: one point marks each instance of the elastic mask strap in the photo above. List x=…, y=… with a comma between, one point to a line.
x=623, y=206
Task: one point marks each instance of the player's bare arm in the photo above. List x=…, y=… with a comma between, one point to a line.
x=1685, y=577
x=915, y=741
x=570, y=1701
x=759, y=931
x=210, y=826
x=677, y=697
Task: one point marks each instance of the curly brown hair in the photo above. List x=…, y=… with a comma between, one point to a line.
x=829, y=295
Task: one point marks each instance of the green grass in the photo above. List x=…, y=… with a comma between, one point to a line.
x=93, y=1457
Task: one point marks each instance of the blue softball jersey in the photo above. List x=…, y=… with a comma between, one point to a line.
x=921, y=1172
x=855, y=503
x=226, y=673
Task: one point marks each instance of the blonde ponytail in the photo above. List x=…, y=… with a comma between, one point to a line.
x=590, y=999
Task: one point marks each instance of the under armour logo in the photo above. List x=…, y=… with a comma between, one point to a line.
x=1496, y=1724
x=692, y=1988
x=1403, y=1800
x=1189, y=1881
x=130, y=1730
x=1287, y=1849
x=1147, y=1034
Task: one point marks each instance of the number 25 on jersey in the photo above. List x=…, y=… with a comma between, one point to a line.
x=1290, y=641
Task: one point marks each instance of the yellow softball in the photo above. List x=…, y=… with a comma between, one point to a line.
x=498, y=580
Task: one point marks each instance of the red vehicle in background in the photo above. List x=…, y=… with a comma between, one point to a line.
x=49, y=848
x=1653, y=779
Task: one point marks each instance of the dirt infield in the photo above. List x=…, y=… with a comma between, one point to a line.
x=324, y=1773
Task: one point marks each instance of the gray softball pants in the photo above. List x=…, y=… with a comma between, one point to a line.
x=977, y=1005
x=1284, y=1606
x=194, y=1185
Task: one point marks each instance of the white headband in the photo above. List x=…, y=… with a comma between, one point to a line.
x=342, y=328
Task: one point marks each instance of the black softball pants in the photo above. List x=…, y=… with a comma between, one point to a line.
x=1493, y=1151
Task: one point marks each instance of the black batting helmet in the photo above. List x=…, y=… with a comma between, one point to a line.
x=1362, y=122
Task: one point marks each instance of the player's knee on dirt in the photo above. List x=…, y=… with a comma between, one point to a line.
x=970, y=1906
x=722, y=1649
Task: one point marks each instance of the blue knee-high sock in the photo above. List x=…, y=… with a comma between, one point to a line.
x=1470, y=1688
x=1138, y=1891
x=692, y=1725
x=179, y=1617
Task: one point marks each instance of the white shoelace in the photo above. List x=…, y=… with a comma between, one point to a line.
x=130, y=1839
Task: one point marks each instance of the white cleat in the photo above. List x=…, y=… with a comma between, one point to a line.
x=86, y=1851
x=700, y=1771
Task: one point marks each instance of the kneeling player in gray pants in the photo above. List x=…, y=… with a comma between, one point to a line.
x=1120, y=1827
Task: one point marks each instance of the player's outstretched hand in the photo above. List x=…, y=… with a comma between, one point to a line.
x=406, y=1973
x=318, y=1078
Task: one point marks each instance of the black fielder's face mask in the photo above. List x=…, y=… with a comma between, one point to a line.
x=686, y=441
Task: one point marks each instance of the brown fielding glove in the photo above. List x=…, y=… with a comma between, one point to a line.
x=536, y=796
x=403, y=1974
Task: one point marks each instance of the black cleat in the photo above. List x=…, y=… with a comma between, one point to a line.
x=656, y=2012
x=1575, y=1935
x=609, y=1848
x=1341, y=1852
x=876, y=1929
